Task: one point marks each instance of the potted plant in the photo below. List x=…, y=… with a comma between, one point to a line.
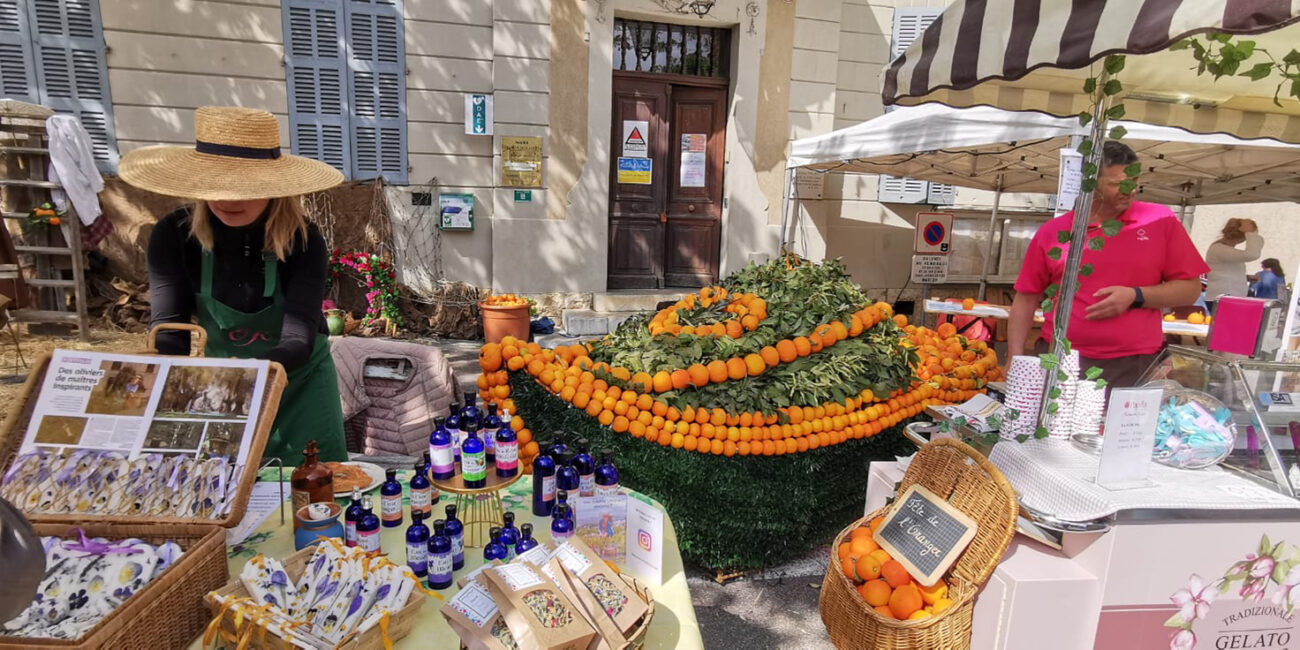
x=505, y=315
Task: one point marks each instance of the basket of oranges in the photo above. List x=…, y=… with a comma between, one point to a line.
x=505, y=314
x=869, y=600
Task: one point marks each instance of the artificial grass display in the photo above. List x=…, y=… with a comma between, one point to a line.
x=730, y=513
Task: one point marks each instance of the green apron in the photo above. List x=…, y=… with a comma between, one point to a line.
x=309, y=407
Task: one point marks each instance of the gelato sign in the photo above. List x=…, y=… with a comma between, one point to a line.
x=1237, y=624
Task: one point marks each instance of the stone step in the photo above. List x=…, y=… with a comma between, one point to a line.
x=589, y=322
x=634, y=300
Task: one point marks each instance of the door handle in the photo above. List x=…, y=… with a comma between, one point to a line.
x=663, y=217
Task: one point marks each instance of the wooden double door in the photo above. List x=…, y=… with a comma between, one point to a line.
x=666, y=174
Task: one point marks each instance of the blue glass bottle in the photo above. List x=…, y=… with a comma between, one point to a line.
x=490, y=425
x=543, y=482
x=562, y=524
x=421, y=492
x=456, y=533
x=390, y=500
x=368, y=527
x=453, y=428
x=417, y=544
x=561, y=499
x=442, y=458
x=506, y=462
x=509, y=534
x=428, y=462
x=492, y=421
x=440, y=558
x=470, y=412
x=473, y=458
x=566, y=477
x=350, y=518
x=495, y=550
x=586, y=466
x=435, y=494
x=526, y=540
x=606, y=474
x=558, y=449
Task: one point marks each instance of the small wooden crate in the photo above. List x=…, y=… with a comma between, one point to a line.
x=399, y=625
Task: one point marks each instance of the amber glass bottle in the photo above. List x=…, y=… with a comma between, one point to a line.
x=312, y=481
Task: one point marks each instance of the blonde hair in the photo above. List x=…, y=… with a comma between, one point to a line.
x=1232, y=233
x=285, y=219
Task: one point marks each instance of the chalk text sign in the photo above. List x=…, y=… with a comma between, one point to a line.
x=925, y=534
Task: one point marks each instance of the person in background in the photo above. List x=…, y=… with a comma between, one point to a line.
x=1269, y=280
x=1228, y=263
x=1149, y=265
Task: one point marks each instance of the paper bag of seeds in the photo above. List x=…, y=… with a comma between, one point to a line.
x=460, y=584
x=475, y=618
x=536, y=611
x=537, y=555
x=619, y=600
x=609, y=637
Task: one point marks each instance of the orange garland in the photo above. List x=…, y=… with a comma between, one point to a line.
x=748, y=309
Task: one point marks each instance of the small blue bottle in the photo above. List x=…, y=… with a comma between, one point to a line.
x=526, y=540
x=456, y=533
x=473, y=459
x=470, y=412
x=506, y=462
x=390, y=500
x=562, y=524
x=350, y=518
x=368, y=527
x=509, y=534
x=495, y=550
x=440, y=560
x=453, y=428
x=489, y=428
x=417, y=545
x=421, y=492
x=442, y=458
x=586, y=466
x=428, y=464
x=606, y=474
x=561, y=499
x=543, y=482
x=558, y=449
x=566, y=477
x=492, y=421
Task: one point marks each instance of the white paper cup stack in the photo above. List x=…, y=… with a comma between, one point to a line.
x=1025, y=381
x=1061, y=423
x=1089, y=407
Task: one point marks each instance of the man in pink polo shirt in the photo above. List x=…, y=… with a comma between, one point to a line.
x=1151, y=264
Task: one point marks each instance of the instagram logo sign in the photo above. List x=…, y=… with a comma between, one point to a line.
x=643, y=539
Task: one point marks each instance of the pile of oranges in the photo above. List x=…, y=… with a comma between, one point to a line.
x=747, y=310
x=506, y=300
x=951, y=360
x=883, y=583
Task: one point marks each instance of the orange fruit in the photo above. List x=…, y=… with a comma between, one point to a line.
x=896, y=576
x=734, y=329
x=699, y=375
x=717, y=371
x=968, y=304
x=641, y=382
x=1196, y=318
x=754, y=364
x=884, y=610
x=876, y=592
x=770, y=356
x=662, y=382
x=736, y=368
x=802, y=346
x=940, y=605
x=867, y=568
x=680, y=378
x=946, y=330
x=875, y=523
x=932, y=594
x=860, y=531
x=919, y=615
x=849, y=566
x=904, y=601
x=786, y=351
x=863, y=545
x=900, y=320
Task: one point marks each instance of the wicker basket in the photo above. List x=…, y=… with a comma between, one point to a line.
x=636, y=639
x=399, y=624
x=164, y=614
x=950, y=468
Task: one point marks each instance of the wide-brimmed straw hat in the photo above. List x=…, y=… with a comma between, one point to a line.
x=236, y=156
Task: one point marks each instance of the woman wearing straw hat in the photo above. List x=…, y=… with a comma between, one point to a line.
x=245, y=262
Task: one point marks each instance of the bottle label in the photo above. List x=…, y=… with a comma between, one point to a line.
x=417, y=556
x=442, y=460
x=392, y=507
x=474, y=466
x=300, y=499
x=548, y=488
x=606, y=490
x=420, y=500
x=440, y=567
x=556, y=534
x=350, y=533
x=587, y=485
x=458, y=546
x=368, y=540
x=508, y=455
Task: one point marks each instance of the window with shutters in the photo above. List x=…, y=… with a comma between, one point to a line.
x=346, y=70
x=909, y=24
x=52, y=53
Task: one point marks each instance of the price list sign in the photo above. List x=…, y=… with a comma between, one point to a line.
x=925, y=534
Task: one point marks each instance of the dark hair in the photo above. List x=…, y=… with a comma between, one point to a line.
x=1273, y=265
x=1114, y=152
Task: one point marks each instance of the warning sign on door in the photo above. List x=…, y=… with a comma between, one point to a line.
x=635, y=135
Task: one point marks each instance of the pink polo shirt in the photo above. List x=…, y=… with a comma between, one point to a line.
x=1151, y=248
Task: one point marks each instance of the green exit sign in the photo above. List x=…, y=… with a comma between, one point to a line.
x=523, y=196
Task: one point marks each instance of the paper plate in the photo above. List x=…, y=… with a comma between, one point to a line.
x=373, y=471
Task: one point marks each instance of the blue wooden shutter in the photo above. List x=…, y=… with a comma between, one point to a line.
x=377, y=82
x=17, y=74
x=909, y=24
x=68, y=50
x=315, y=62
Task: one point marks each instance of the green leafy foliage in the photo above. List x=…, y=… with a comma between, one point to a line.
x=1085, y=270
x=1118, y=132
x=1111, y=227
x=1054, y=253
x=1063, y=237
x=1112, y=87
x=1222, y=55
x=1096, y=243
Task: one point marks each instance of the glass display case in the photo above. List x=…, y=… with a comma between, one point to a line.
x=1264, y=398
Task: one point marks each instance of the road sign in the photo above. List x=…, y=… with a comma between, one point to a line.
x=933, y=233
x=635, y=133
x=929, y=269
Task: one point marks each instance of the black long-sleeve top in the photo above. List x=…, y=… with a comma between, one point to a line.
x=238, y=272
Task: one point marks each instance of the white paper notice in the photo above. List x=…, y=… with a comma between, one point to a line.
x=645, y=541
x=1070, y=180
x=1130, y=434
x=266, y=497
x=636, y=139
x=693, y=159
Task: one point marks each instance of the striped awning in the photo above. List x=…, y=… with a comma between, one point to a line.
x=1035, y=55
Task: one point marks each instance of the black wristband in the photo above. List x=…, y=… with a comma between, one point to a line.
x=1138, y=299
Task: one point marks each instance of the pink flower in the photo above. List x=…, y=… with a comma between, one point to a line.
x=327, y=304
x=1183, y=640
x=1194, y=601
x=1262, y=567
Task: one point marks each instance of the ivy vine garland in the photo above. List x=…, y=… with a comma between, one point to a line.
x=380, y=279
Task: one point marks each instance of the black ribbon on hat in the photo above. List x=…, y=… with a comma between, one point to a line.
x=234, y=151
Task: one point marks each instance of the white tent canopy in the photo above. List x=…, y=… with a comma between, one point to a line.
x=1017, y=151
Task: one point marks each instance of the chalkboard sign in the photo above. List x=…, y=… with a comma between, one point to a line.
x=925, y=534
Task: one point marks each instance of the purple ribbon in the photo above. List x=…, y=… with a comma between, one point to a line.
x=86, y=545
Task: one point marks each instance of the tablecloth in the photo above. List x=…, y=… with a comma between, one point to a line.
x=673, y=625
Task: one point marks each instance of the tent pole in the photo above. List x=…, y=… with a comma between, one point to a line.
x=1074, y=255
x=785, y=209
x=993, y=224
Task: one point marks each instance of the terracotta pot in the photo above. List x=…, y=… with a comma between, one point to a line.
x=500, y=322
